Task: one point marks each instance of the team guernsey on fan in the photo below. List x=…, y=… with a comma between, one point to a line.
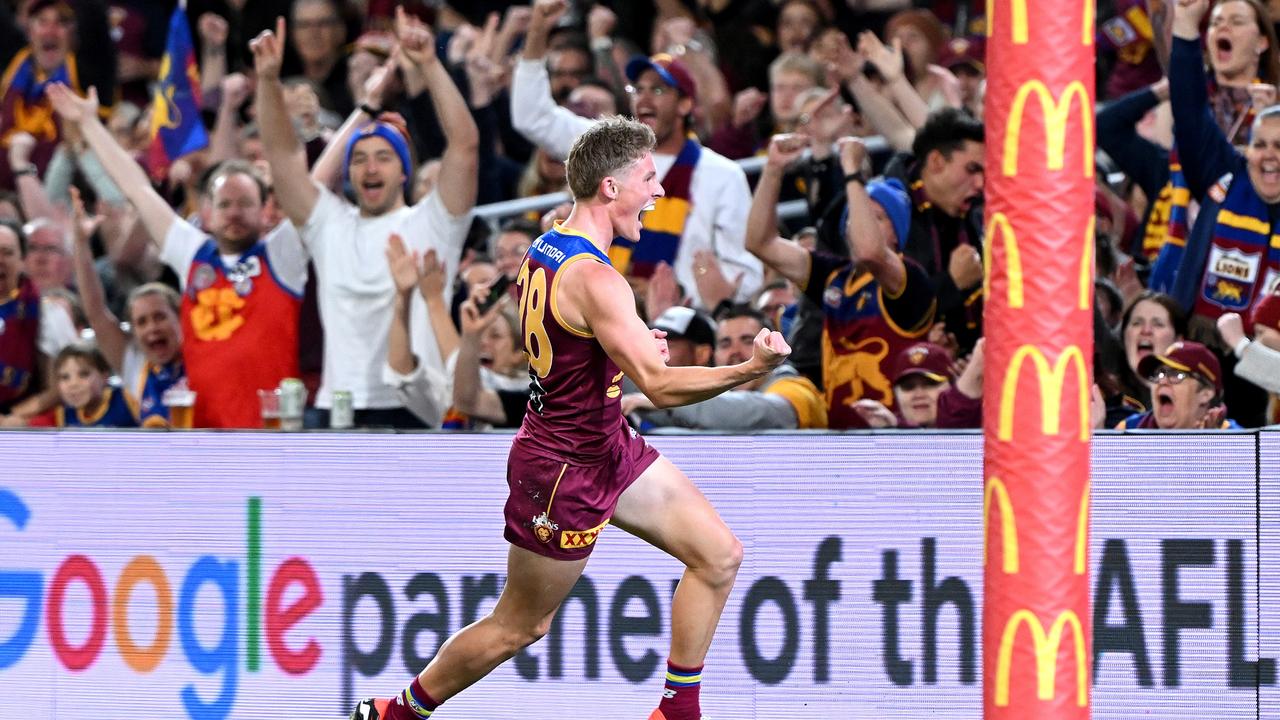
x=229, y=313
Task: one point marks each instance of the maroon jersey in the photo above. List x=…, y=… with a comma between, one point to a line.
x=19, y=340
x=863, y=330
x=574, y=408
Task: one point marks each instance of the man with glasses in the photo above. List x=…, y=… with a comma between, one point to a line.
x=698, y=228
x=1186, y=390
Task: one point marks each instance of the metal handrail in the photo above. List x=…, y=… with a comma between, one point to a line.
x=494, y=213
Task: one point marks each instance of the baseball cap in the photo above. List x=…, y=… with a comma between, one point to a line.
x=35, y=6
x=966, y=51
x=668, y=68
x=686, y=323
x=1185, y=356
x=1267, y=313
x=927, y=359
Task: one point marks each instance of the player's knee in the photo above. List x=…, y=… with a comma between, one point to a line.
x=724, y=561
x=524, y=634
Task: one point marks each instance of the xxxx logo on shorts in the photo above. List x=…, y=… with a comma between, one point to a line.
x=570, y=539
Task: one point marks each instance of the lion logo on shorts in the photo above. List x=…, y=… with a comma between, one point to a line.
x=543, y=527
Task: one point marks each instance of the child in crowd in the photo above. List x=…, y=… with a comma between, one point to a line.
x=81, y=373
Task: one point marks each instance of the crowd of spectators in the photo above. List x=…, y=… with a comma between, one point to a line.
x=327, y=232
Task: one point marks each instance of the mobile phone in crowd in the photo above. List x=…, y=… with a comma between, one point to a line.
x=496, y=291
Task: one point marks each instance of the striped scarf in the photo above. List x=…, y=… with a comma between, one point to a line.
x=1243, y=251
x=25, y=108
x=1170, y=215
x=664, y=224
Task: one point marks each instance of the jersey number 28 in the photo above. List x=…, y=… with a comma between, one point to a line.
x=533, y=309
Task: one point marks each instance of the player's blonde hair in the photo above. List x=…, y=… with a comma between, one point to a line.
x=605, y=148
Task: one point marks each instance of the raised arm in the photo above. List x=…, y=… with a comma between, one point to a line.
x=866, y=241
x=416, y=56
x=294, y=189
x=155, y=213
x=106, y=326
x=888, y=60
x=31, y=192
x=762, y=238
x=327, y=169
x=607, y=306
x=1206, y=153
x=470, y=396
x=534, y=113
x=1144, y=161
x=224, y=140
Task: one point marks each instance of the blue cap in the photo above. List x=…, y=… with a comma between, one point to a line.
x=671, y=71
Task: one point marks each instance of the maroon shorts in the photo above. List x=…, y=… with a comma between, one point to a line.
x=556, y=508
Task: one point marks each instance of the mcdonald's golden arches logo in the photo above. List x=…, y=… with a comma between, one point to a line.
x=1000, y=226
x=997, y=491
x=1052, y=381
x=1046, y=647
x=1018, y=13
x=1055, y=112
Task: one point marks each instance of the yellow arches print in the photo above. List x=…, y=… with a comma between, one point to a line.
x=996, y=492
x=1019, y=21
x=1046, y=647
x=1013, y=261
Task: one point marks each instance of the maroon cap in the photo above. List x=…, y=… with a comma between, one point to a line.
x=932, y=361
x=971, y=51
x=1267, y=313
x=1185, y=356
x=668, y=68
x=35, y=6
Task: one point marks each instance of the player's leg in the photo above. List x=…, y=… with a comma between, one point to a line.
x=664, y=508
x=535, y=587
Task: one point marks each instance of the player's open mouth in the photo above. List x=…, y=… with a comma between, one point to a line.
x=372, y=185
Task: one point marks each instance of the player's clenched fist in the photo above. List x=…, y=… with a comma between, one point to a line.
x=770, y=349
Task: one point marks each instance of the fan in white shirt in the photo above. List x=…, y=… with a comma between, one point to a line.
x=348, y=242
x=662, y=97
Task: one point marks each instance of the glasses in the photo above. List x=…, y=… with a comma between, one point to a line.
x=654, y=90
x=1164, y=374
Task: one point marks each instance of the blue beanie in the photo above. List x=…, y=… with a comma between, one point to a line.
x=893, y=197
x=386, y=132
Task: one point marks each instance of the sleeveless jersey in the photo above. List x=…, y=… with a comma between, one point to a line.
x=240, y=335
x=19, y=337
x=574, y=410
x=118, y=411
x=153, y=381
x=863, y=331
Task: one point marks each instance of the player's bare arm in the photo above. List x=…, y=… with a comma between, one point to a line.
x=603, y=300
